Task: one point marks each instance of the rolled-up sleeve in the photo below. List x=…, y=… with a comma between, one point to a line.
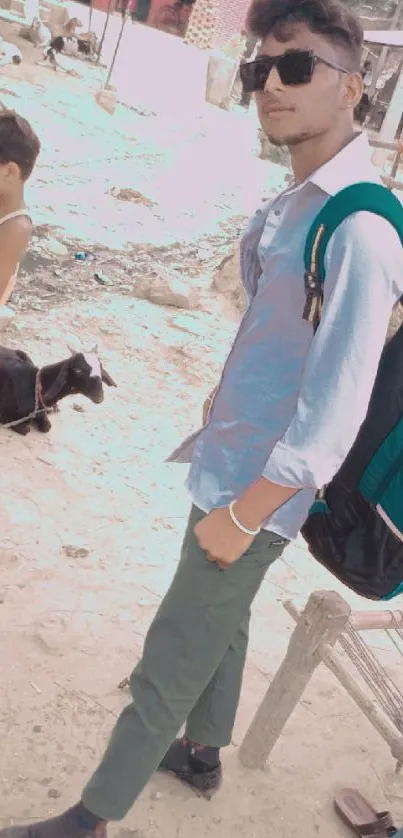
x=364, y=279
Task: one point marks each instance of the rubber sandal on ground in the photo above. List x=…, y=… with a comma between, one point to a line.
x=361, y=817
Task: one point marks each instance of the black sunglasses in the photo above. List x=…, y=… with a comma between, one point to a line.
x=296, y=66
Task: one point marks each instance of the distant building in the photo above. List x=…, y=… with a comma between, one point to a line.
x=229, y=19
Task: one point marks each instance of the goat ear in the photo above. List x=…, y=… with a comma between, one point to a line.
x=58, y=384
x=106, y=378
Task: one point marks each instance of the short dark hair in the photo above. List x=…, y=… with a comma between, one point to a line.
x=57, y=43
x=323, y=17
x=18, y=142
x=16, y=59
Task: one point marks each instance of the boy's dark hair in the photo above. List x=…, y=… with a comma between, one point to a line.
x=57, y=43
x=323, y=17
x=18, y=142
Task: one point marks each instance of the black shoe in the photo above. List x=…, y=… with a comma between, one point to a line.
x=186, y=763
x=72, y=824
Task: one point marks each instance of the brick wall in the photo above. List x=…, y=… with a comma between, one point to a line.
x=230, y=19
x=202, y=24
x=213, y=22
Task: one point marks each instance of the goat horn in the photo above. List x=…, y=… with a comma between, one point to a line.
x=71, y=350
x=94, y=351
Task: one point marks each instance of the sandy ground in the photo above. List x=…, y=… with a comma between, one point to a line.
x=92, y=519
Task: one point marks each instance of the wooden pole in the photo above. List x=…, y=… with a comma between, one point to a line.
x=101, y=43
x=362, y=620
x=322, y=621
x=124, y=19
x=367, y=620
x=396, y=161
x=390, y=145
x=392, y=118
x=90, y=15
x=393, y=114
x=392, y=184
x=335, y=662
x=393, y=24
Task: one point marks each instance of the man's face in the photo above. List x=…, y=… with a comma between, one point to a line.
x=290, y=115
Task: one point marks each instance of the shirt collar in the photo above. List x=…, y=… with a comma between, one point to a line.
x=350, y=165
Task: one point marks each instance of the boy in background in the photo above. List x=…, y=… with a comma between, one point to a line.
x=19, y=149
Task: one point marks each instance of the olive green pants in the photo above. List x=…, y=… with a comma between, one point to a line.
x=191, y=669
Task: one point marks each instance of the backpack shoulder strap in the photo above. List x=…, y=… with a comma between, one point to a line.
x=359, y=197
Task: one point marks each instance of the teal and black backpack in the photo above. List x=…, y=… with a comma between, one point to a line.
x=355, y=527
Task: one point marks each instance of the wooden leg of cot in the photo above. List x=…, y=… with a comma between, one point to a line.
x=321, y=622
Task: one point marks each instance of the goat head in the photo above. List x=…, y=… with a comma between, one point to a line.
x=86, y=376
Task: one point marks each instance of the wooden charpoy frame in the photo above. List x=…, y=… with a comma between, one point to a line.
x=312, y=642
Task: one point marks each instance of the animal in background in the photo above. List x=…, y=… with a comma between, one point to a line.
x=28, y=392
x=37, y=33
x=69, y=29
x=51, y=52
x=87, y=45
x=65, y=39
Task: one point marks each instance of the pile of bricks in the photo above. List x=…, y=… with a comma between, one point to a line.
x=230, y=20
x=202, y=24
x=214, y=22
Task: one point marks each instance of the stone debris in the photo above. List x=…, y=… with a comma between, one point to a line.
x=167, y=288
x=132, y=195
x=54, y=247
x=107, y=99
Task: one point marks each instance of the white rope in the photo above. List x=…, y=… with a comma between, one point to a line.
x=382, y=686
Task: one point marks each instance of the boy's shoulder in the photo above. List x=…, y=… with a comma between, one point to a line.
x=15, y=232
x=369, y=231
x=369, y=248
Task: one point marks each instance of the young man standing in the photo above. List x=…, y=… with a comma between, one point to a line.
x=283, y=418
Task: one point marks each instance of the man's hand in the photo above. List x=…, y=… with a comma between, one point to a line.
x=223, y=542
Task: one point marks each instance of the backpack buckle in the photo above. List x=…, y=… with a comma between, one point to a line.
x=314, y=299
x=311, y=281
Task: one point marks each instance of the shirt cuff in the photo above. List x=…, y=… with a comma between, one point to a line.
x=286, y=467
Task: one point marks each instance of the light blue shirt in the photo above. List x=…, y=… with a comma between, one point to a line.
x=289, y=405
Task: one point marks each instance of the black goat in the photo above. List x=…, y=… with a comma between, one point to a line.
x=27, y=392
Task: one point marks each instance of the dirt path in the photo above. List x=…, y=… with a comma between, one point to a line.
x=91, y=527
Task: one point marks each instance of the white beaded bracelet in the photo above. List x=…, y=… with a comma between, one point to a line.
x=238, y=524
